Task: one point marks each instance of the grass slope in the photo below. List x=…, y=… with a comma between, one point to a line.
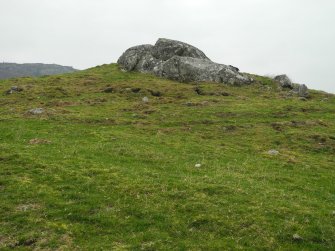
x=106, y=171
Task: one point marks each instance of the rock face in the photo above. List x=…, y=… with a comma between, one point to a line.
x=179, y=61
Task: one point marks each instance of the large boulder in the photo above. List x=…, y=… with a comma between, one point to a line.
x=179, y=61
x=284, y=81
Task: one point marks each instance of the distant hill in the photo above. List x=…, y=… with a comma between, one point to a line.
x=12, y=70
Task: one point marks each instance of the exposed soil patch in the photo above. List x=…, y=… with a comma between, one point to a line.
x=27, y=207
x=135, y=90
x=39, y=141
x=96, y=101
x=155, y=93
x=109, y=90
x=202, y=103
x=322, y=143
x=226, y=114
x=26, y=243
x=229, y=128
x=280, y=126
x=61, y=103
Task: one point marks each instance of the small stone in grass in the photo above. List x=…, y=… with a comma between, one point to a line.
x=36, y=111
x=197, y=165
x=273, y=152
x=297, y=237
x=14, y=89
x=145, y=99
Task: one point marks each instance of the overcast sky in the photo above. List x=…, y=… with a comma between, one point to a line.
x=266, y=37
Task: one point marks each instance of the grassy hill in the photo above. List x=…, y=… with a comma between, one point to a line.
x=12, y=70
x=106, y=171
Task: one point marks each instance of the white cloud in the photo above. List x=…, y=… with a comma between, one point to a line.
x=258, y=36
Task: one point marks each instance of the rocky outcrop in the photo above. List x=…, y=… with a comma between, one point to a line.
x=298, y=89
x=181, y=62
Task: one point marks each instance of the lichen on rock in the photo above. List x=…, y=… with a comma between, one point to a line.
x=181, y=62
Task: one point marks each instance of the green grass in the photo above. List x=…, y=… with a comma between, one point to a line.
x=114, y=173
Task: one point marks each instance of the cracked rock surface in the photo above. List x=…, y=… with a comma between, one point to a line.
x=181, y=62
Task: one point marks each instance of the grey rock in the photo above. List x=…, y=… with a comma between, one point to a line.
x=187, y=69
x=145, y=99
x=284, y=81
x=36, y=111
x=14, y=89
x=165, y=49
x=298, y=89
x=234, y=68
x=138, y=58
x=181, y=62
x=273, y=152
x=302, y=91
